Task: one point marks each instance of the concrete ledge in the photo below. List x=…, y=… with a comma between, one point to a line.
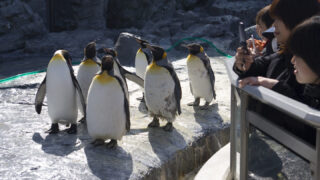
x=217, y=167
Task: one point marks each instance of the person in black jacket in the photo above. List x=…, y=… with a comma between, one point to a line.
x=275, y=71
x=304, y=43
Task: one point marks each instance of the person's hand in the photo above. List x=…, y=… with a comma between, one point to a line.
x=243, y=59
x=258, y=81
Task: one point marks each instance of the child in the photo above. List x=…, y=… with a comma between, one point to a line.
x=263, y=23
x=304, y=43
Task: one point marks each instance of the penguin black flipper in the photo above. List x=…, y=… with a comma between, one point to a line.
x=77, y=86
x=177, y=88
x=206, y=61
x=41, y=93
x=126, y=104
x=75, y=82
x=129, y=75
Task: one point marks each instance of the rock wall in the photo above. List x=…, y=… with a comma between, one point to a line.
x=27, y=25
x=18, y=22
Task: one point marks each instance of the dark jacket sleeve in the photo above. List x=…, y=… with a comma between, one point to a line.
x=258, y=68
x=290, y=88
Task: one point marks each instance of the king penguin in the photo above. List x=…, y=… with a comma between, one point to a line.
x=142, y=60
x=88, y=68
x=122, y=73
x=108, y=115
x=162, y=89
x=200, y=74
x=60, y=86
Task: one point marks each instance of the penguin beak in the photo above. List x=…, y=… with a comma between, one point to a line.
x=150, y=47
x=138, y=40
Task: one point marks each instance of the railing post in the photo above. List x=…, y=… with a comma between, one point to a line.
x=232, y=133
x=316, y=169
x=244, y=137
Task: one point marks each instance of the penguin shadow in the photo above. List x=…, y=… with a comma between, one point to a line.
x=60, y=144
x=108, y=163
x=263, y=161
x=207, y=115
x=24, y=86
x=165, y=144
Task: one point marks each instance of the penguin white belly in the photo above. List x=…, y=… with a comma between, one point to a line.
x=118, y=74
x=106, y=118
x=141, y=64
x=199, y=79
x=61, y=93
x=85, y=74
x=159, y=94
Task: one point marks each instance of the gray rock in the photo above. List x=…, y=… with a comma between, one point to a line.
x=19, y=23
x=245, y=11
x=92, y=14
x=126, y=47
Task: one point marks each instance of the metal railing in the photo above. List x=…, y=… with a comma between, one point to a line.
x=242, y=117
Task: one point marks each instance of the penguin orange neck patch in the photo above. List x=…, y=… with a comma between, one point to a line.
x=191, y=57
x=153, y=66
x=104, y=78
x=88, y=62
x=57, y=57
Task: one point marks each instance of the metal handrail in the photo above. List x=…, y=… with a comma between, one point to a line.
x=307, y=114
x=243, y=117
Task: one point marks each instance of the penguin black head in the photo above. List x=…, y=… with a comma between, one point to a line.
x=107, y=63
x=157, y=52
x=143, y=43
x=110, y=52
x=66, y=56
x=194, y=48
x=90, y=50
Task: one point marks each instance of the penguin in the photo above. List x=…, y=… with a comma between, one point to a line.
x=88, y=68
x=162, y=89
x=200, y=74
x=108, y=115
x=142, y=60
x=123, y=73
x=60, y=86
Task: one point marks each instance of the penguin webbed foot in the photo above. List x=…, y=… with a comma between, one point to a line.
x=205, y=106
x=168, y=127
x=97, y=142
x=82, y=120
x=141, y=99
x=195, y=103
x=112, y=144
x=154, y=123
x=54, y=129
x=72, y=129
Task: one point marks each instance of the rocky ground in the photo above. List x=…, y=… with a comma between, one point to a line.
x=27, y=152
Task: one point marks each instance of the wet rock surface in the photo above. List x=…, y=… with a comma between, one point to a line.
x=27, y=152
